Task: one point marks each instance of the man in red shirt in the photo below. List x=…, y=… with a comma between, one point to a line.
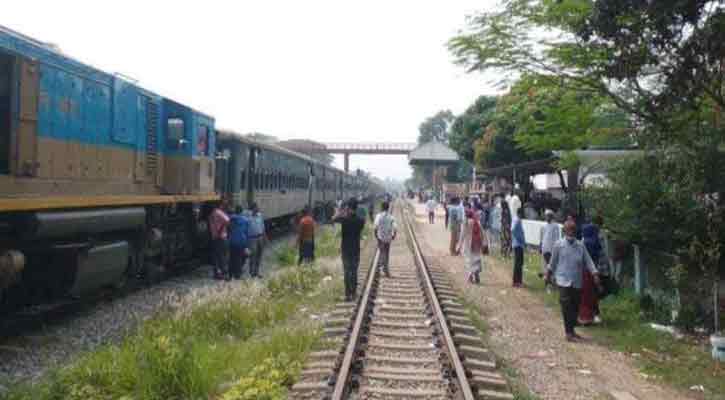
x=306, y=237
x=218, y=223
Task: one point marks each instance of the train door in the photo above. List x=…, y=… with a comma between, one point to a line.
x=252, y=176
x=310, y=183
x=7, y=68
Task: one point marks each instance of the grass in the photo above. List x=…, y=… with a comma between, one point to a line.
x=232, y=344
x=681, y=363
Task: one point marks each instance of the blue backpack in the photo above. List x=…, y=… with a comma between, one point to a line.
x=239, y=231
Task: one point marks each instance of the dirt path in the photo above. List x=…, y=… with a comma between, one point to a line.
x=530, y=336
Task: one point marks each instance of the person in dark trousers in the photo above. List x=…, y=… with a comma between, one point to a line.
x=385, y=232
x=257, y=239
x=218, y=224
x=518, y=243
x=352, y=226
x=569, y=259
x=306, y=237
x=238, y=243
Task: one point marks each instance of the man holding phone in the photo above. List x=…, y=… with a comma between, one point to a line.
x=352, y=226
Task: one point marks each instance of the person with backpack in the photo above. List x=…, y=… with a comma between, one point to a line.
x=385, y=232
x=474, y=244
x=238, y=243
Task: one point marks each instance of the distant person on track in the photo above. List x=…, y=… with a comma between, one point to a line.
x=352, y=226
x=306, y=237
x=474, y=244
x=257, y=240
x=548, y=236
x=518, y=243
x=218, y=224
x=446, y=204
x=569, y=259
x=431, y=207
x=494, y=224
x=385, y=232
x=238, y=243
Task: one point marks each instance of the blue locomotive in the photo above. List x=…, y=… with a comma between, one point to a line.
x=102, y=180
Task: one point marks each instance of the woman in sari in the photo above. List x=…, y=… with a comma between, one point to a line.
x=472, y=243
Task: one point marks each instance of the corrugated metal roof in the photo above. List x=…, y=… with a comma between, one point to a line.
x=433, y=151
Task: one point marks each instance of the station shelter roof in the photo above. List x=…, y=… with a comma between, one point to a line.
x=433, y=152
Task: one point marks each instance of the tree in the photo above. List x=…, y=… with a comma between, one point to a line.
x=660, y=62
x=471, y=125
x=436, y=127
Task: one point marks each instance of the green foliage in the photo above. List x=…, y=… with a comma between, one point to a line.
x=436, y=127
x=267, y=381
x=471, y=125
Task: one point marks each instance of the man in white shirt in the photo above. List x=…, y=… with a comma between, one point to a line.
x=385, y=231
x=514, y=203
x=431, y=207
x=548, y=236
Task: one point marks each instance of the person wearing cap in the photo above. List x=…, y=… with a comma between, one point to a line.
x=352, y=226
x=569, y=260
x=257, y=239
x=548, y=236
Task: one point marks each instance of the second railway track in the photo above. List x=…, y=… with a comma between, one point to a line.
x=406, y=337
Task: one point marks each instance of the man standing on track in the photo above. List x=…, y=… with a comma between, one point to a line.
x=218, y=223
x=352, y=226
x=569, y=259
x=385, y=232
x=306, y=237
x=257, y=238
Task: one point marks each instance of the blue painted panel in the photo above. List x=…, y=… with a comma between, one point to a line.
x=60, y=121
x=45, y=100
x=75, y=109
x=125, y=99
x=96, y=111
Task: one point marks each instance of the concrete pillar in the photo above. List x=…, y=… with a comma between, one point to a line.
x=347, y=162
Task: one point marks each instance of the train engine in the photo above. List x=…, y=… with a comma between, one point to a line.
x=100, y=179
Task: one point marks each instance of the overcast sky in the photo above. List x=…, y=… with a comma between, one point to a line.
x=323, y=70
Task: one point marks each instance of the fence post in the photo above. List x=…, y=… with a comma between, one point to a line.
x=640, y=272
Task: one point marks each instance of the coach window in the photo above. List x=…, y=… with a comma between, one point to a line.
x=175, y=133
x=242, y=178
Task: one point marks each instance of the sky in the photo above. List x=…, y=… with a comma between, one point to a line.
x=330, y=71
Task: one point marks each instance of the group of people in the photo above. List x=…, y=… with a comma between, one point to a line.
x=235, y=238
x=574, y=263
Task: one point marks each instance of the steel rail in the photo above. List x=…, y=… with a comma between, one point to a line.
x=465, y=386
x=344, y=375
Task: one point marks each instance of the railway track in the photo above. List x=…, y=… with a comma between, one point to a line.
x=406, y=337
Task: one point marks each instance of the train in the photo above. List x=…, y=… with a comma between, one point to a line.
x=103, y=181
